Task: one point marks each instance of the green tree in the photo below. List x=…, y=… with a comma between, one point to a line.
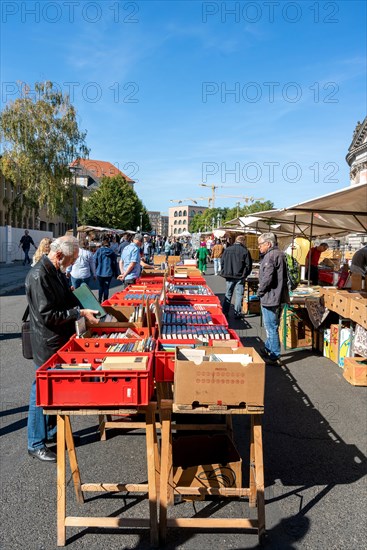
x=257, y=206
x=205, y=220
x=208, y=219
x=116, y=205
x=41, y=137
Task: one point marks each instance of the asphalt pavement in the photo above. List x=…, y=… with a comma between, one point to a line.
x=314, y=433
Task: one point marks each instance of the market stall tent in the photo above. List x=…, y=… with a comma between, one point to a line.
x=332, y=215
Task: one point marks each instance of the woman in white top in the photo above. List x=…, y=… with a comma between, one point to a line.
x=83, y=269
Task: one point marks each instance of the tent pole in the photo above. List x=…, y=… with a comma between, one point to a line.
x=294, y=233
x=309, y=255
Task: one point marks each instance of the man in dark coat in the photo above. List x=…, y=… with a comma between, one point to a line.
x=25, y=242
x=53, y=310
x=236, y=265
x=273, y=293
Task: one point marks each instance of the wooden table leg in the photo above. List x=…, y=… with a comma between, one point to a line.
x=259, y=468
x=102, y=426
x=152, y=489
x=166, y=465
x=73, y=461
x=252, y=478
x=61, y=481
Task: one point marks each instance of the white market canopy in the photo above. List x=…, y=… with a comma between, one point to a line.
x=255, y=224
x=331, y=215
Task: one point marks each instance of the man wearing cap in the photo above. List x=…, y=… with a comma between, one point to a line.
x=130, y=261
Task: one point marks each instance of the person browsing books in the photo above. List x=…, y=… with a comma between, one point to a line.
x=130, y=262
x=53, y=310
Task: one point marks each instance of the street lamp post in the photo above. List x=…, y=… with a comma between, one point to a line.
x=74, y=170
x=141, y=221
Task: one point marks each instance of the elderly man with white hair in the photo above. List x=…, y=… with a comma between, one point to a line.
x=273, y=293
x=53, y=310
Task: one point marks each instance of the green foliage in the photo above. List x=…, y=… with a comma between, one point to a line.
x=115, y=205
x=41, y=137
x=257, y=206
x=205, y=222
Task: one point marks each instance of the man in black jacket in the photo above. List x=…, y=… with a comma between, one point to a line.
x=273, y=293
x=236, y=265
x=25, y=242
x=53, y=310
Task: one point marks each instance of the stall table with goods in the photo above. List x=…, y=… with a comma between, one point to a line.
x=149, y=339
x=211, y=381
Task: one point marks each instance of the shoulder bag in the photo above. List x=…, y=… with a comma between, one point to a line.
x=26, y=336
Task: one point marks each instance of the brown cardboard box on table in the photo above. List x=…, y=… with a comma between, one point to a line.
x=219, y=383
x=328, y=294
x=355, y=372
x=341, y=304
x=206, y=461
x=358, y=309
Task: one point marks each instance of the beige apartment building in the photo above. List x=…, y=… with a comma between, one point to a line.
x=179, y=218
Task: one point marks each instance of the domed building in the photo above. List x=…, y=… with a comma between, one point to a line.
x=357, y=154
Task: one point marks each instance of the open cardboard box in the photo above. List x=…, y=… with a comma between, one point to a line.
x=122, y=314
x=206, y=461
x=219, y=383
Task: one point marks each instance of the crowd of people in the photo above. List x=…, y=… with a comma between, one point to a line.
x=62, y=264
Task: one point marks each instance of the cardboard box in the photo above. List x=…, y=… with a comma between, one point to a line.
x=355, y=371
x=326, y=352
x=219, y=383
x=125, y=362
x=123, y=314
x=341, y=305
x=344, y=345
x=297, y=327
x=334, y=343
x=358, y=282
x=358, y=309
x=206, y=461
x=328, y=295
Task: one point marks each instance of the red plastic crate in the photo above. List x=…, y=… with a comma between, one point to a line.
x=217, y=319
x=98, y=345
x=57, y=388
x=143, y=332
x=192, y=299
x=149, y=280
x=164, y=365
x=187, y=281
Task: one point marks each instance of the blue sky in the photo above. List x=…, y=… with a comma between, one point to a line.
x=260, y=98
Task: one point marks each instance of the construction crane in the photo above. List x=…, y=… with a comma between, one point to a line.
x=210, y=199
x=180, y=201
x=213, y=188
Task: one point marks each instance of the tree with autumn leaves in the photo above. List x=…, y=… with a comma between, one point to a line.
x=40, y=137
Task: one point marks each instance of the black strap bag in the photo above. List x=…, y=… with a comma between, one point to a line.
x=26, y=336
